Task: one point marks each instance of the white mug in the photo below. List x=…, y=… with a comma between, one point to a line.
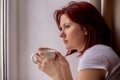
x=49, y=52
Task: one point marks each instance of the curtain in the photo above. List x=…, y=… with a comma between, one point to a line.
x=110, y=9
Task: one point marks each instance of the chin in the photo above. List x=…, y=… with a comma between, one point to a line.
x=68, y=48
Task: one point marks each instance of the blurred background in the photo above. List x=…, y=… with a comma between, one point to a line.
x=30, y=25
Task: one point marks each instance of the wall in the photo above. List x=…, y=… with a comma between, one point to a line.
x=31, y=25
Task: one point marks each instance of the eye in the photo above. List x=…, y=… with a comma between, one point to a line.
x=60, y=28
x=67, y=26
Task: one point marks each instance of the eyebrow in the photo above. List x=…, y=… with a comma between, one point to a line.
x=64, y=25
x=67, y=24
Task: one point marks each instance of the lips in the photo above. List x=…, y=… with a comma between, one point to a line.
x=65, y=41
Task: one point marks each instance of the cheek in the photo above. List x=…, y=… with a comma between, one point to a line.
x=70, y=34
x=77, y=36
x=75, y=33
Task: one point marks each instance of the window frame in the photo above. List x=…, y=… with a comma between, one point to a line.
x=4, y=39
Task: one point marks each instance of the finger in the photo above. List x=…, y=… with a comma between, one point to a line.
x=59, y=54
x=34, y=57
x=40, y=65
x=37, y=55
x=61, y=58
x=42, y=55
x=40, y=58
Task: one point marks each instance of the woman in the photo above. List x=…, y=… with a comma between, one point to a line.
x=84, y=30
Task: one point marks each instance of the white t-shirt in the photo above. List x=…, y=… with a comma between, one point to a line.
x=101, y=57
x=73, y=60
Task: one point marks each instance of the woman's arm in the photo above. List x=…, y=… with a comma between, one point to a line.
x=91, y=74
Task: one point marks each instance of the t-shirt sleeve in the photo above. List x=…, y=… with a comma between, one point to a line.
x=93, y=59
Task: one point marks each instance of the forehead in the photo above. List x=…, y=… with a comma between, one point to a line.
x=65, y=19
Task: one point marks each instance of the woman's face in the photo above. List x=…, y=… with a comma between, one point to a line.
x=72, y=33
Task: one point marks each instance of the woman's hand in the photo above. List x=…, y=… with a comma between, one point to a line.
x=57, y=68
x=65, y=68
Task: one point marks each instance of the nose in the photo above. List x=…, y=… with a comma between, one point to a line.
x=62, y=34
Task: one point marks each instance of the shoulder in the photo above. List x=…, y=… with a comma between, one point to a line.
x=98, y=48
x=101, y=51
x=95, y=57
x=97, y=52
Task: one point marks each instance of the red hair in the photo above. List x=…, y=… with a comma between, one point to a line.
x=90, y=18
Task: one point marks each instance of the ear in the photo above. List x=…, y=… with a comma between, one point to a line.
x=85, y=31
